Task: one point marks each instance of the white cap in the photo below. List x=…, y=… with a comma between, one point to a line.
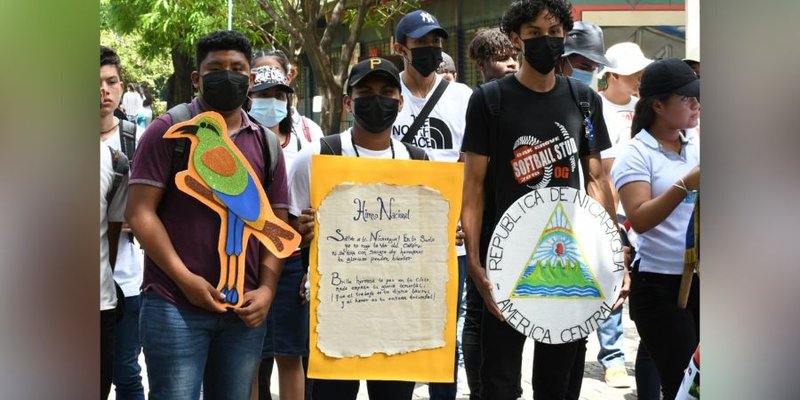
x=627, y=58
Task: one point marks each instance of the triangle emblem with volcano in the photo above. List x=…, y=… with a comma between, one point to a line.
x=557, y=267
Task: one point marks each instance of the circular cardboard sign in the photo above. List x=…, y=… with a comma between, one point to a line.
x=556, y=264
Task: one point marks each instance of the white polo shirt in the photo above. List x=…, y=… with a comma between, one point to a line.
x=642, y=159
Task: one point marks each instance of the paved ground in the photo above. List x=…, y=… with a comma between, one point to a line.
x=594, y=388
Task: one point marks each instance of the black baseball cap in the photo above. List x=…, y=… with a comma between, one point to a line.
x=669, y=75
x=417, y=24
x=269, y=77
x=373, y=65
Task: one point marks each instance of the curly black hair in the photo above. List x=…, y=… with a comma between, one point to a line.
x=110, y=57
x=522, y=11
x=491, y=44
x=223, y=40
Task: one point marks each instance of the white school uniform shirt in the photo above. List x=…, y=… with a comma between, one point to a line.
x=618, y=121
x=443, y=131
x=298, y=137
x=660, y=249
x=300, y=171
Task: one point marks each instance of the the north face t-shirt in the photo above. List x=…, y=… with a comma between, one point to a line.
x=443, y=131
x=540, y=138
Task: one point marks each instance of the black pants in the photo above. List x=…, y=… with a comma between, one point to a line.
x=557, y=368
x=471, y=339
x=108, y=320
x=648, y=384
x=348, y=390
x=670, y=334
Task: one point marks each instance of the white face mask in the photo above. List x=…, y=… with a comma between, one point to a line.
x=268, y=111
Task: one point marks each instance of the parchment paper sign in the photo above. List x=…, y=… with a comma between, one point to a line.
x=382, y=265
x=556, y=262
x=383, y=269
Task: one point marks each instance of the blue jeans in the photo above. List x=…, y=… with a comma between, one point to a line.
x=185, y=347
x=610, y=337
x=447, y=391
x=287, y=321
x=127, y=371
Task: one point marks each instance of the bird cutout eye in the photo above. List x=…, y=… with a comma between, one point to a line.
x=220, y=161
x=212, y=127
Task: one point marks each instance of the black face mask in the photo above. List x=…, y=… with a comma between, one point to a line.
x=426, y=59
x=542, y=52
x=375, y=113
x=225, y=90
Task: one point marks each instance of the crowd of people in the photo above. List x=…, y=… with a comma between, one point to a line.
x=637, y=155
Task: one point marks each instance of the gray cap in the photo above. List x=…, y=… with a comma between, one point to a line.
x=586, y=39
x=448, y=65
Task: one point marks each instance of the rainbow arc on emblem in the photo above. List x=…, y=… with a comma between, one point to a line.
x=557, y=267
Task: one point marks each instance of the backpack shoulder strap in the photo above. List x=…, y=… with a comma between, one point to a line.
x=271, y=148
x=127, y=139
x=179, y=113
x=492, y=97
x=331, y=145
x=415, y=152
x=426, y=110
x=582, y=101
x=306, y=130
x=119, y=164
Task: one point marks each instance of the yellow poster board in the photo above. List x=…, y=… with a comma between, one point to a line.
x=332, y=174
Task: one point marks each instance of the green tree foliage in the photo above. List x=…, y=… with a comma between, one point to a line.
x=171, y=28
x=314, y=24
x=153, y=71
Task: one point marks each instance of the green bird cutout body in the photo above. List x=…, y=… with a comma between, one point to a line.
x=216, y=164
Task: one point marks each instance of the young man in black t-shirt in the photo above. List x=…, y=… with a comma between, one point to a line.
x=536, y=108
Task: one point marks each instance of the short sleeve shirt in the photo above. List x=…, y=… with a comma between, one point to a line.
x=300, y=172
x=442, y=132
x=660, y=249
x=193, y=228
x=539, y=141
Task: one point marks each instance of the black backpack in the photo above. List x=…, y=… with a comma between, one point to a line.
x=121, y=166
x=127, y=139
x=181, y=113
x=332, y=145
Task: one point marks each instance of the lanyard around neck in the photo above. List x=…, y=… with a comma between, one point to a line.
x=353, y=141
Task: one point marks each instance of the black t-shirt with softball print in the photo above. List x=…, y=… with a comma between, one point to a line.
x=540, y=138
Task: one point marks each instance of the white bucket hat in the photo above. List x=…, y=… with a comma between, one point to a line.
x=627, y=59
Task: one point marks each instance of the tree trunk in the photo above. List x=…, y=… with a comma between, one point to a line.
x=333, y=109
x=180, y=83
x=331, y=114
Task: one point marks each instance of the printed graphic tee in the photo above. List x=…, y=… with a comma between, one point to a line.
x=443, y=131
x=540, y=138
x=618, y=121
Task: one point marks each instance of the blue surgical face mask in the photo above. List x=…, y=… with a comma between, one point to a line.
x=268, y=111
x=583, y=76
